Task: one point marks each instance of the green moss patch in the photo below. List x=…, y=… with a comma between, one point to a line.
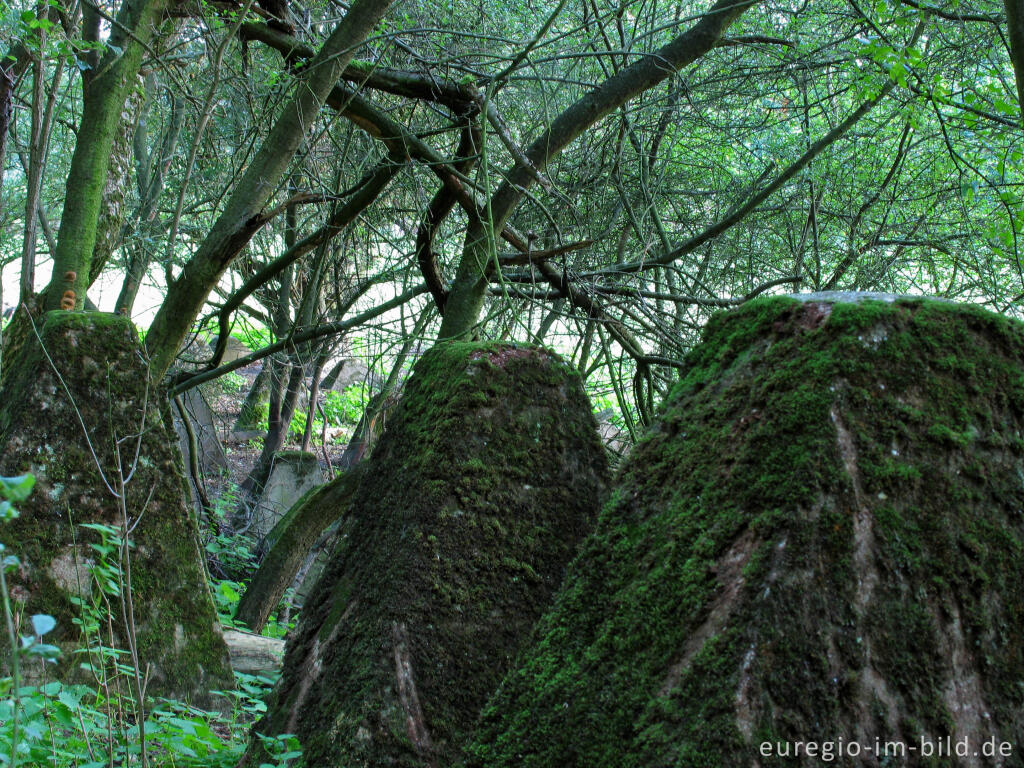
x=822, y=538
x=76, y=412
x=488, y=474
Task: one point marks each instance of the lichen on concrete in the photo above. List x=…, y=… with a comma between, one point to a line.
x=68, y=407
x=488, y=474
x=820, y=539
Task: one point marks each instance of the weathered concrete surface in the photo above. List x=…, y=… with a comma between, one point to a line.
x=820, y=540
x=233, y=350
x=254, y=654
x=293, y=474
x=348, y=372
x=616, y=441
x=210, y=455
x=488, y=473
x=74, y=416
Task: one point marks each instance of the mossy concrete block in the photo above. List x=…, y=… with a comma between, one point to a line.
x=292, y=475
x=821, y=539
x=76, y=411
x=233, y=349
x=350, y=372
x=488, y=474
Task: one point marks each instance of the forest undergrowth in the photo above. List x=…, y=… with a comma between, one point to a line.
x=100, y=721
x=101, y=718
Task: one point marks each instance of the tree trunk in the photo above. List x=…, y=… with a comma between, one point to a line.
x=103, y=104
x=244, y=212
x=12, y=67
x=469, y=289
x=34, y=180
x=1015, y=29
x=111, y=215
x=284, y=395
x=150, y=172
x=288, y=544
x=249, y=417
x=286, y=377
x=314, y=395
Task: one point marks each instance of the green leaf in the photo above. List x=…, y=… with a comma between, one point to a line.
x=68, y=698
x=7, y=512
x=1006, y=107
x=17, y=488
x=229, y=592
x=43, y=623
x=44, y=651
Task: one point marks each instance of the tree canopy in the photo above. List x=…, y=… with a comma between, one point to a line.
x=597, y=176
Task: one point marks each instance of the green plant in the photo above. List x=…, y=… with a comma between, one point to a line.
x=346, y=407
x=67, y=725
x=18, y=719
x=282, y=749
x=103, y=659
x=231, y=555
x=253, y=335
x=14, y=490
x=340, y=409
x=226, y=596
x=227, y=552
x=233, y=383
x=73, y=726
x=277, y=625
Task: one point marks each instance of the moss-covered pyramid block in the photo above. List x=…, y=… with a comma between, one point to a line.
x=77, y=413
x=821, y=540
x=488, y=474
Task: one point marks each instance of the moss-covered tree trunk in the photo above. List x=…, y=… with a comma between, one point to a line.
x=102, y=107
x=488, y=474
x=76, y=412
x=820, y=541
x=257, y=399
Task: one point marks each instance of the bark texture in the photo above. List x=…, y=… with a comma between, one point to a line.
x=1015, y=30
x=488, y=474
x=820, y=539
